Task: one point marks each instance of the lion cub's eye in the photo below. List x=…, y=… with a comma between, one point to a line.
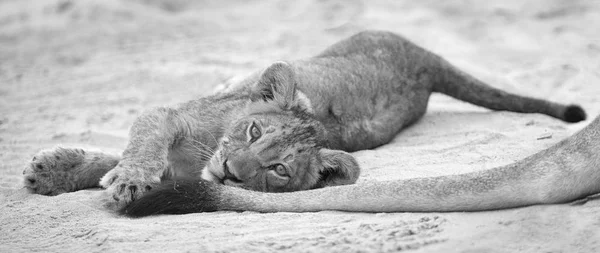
x=254, y=132
x=280, y=170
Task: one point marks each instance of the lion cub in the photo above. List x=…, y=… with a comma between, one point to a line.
x=285, y=128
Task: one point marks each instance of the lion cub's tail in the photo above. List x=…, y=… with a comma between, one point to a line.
x=566, y=171
x=463, y=86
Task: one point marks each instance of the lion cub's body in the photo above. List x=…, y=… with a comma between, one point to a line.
x=360, y=89
x=357, y=94
x=370, y=86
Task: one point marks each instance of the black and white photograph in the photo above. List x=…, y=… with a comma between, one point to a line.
x=299, y=126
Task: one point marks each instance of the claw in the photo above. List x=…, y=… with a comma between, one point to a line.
x=121, y=188
x=112, y=180
x=133, y=189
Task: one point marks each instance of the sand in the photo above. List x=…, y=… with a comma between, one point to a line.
x=78, y=73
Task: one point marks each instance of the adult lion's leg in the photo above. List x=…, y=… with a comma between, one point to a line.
x=567, y=171
x=59, y=170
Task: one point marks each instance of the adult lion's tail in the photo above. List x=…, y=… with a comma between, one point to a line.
x=564, y=172
x=458, y=84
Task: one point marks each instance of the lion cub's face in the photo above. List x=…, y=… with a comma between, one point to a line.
x=268, y=152
x=276, y=145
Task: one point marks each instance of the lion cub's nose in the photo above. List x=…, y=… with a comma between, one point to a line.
x=242, y=166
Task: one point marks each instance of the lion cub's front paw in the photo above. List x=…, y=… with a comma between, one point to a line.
x=128, y=183
x=53, y=171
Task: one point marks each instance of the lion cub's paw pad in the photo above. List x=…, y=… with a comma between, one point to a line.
x=50, y=172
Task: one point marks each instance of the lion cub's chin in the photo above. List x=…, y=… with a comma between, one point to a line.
x=213, y=170
x=209, y=175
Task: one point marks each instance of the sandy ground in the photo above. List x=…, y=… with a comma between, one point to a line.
x=77, y=73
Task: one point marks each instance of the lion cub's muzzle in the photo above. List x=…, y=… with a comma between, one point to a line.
x=240, y=170
x=228, y=175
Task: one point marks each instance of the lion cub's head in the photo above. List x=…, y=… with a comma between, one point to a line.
x=277, y=145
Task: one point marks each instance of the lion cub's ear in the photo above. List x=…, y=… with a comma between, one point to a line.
x=339, y=168
x=278, y=83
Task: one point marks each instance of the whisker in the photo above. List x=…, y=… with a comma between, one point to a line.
x=208, y=149
x=203, y=152
x=211, y=135
x=199, y=155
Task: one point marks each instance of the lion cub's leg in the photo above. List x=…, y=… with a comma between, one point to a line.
x=59, y=170
x=144, y=160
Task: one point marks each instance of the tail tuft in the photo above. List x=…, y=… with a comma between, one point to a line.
x=574, y=113
x=176, y=197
